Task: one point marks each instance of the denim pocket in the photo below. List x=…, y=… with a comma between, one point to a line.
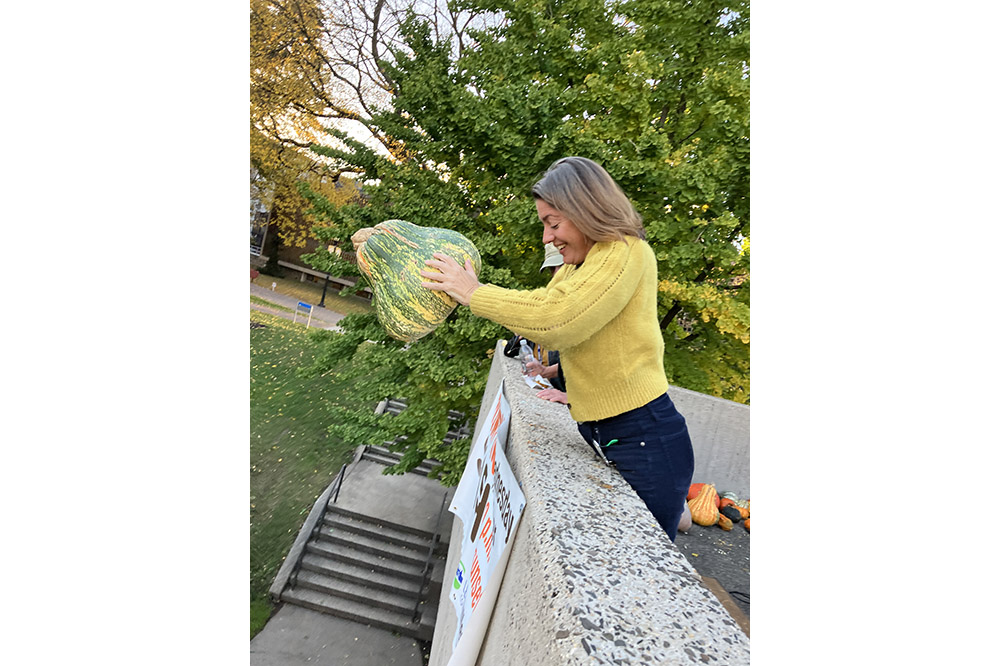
x=628, y=457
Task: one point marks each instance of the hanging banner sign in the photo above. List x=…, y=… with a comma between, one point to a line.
x=489, y=502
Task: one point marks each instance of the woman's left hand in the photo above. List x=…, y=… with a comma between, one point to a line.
x=552, y=395
x=455, y=280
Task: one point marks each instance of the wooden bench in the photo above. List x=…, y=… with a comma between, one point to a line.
x=346, y=281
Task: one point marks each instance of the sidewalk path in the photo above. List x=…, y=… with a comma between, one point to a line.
x=321, y=317
x=300, y=637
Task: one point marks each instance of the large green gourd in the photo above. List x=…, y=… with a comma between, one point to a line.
x=391, y=255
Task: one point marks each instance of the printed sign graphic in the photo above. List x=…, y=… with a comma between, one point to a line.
x=489, y=502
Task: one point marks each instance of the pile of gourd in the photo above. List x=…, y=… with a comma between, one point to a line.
x=709, y=508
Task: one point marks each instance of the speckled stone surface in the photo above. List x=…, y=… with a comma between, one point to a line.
x=592, y=579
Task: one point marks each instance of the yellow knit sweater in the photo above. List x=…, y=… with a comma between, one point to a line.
x=601, y=317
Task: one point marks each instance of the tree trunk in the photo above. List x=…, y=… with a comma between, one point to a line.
x=271, y=247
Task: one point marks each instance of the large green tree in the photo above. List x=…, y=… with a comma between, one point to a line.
x=657, y=91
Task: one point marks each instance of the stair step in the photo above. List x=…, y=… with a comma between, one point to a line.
x=396, y=405
x=339, y=587
x=357, y=612
x=384, y=458
x=374, y=456
x=378, y=522
x=408, y=586
x=347, y=555
x=372, y=545
x=433, y=590
x=389, y=460
x=389, y=453
x=385, y=533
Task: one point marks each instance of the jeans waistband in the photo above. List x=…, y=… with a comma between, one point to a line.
x=656, y=405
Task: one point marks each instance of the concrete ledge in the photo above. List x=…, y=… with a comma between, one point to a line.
x=285, y=572
x=720, y=435
x=592, y=578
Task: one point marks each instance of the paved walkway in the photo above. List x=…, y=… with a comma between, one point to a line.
x=406, y=499
x=297, y=636
x=321, y=317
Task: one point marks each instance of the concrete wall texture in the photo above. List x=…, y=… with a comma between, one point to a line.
x=720, y=436
x=592, y=578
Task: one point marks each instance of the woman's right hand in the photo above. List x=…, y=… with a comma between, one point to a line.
x=545, y=371
x=456, y=280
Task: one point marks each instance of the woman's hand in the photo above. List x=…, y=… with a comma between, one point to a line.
x=457, y=281
x=546, y=371
x=552, y=395
x=533, y=368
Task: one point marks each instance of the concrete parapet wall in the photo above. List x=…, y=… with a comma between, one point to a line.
x=592, y=578
x=720, y=436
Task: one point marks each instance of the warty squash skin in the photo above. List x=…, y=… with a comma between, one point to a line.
x=391, y=255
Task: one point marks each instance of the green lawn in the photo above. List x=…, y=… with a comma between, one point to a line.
x=292, y=460
x=266, y=303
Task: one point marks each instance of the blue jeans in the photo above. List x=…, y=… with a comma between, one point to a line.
x=653, y=453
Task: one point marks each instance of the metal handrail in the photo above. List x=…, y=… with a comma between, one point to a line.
x=319, y=522
x=336, y=492
x=427, y=562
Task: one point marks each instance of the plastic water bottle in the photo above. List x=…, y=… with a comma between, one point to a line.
x=525, y=355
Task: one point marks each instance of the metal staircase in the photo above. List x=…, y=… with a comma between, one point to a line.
x=385, y=456
x=371, y=571
x=352, y=562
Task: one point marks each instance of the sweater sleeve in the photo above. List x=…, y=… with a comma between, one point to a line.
x=567, y=312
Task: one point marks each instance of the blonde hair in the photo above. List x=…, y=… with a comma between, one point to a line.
x=585, y=193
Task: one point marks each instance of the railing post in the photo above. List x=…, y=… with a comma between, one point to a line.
x=430, y=553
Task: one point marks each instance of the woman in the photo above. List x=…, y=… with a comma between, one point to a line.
x=599, y=311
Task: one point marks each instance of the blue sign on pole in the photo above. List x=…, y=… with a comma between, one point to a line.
x=303, y=308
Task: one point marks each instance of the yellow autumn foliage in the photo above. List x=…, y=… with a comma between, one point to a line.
x=708, y=302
